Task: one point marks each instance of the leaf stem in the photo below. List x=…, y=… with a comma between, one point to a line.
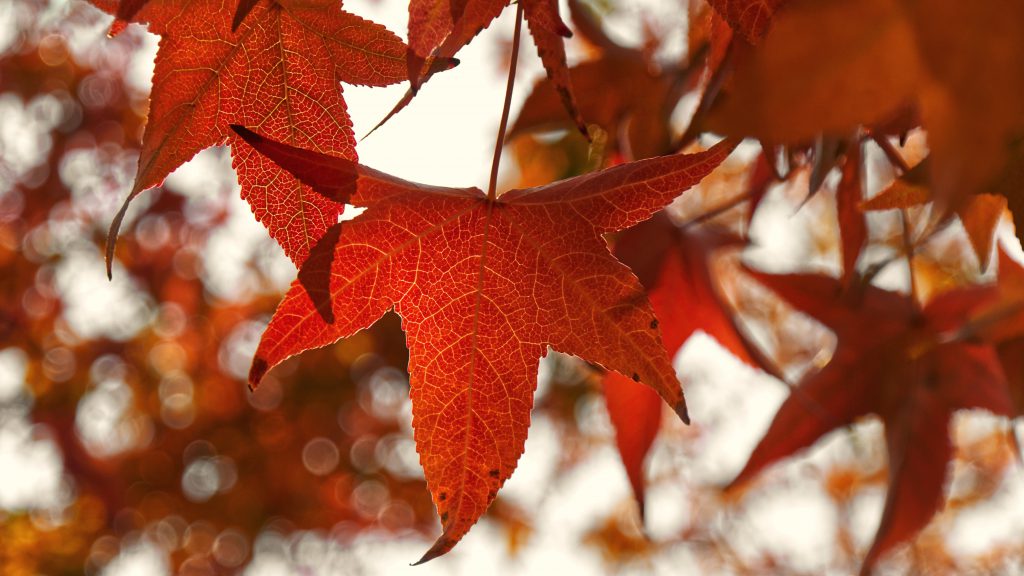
x=891, y=153
x=492, y=186
x=909, y=247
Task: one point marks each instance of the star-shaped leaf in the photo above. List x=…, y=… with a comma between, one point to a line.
x=903, y=364
x=483, y=288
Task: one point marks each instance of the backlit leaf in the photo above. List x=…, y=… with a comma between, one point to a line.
x=483, y=288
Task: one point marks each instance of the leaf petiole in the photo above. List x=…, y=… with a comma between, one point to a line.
x=492, y=186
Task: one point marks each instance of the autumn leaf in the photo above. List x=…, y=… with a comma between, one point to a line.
x=483, y=288
x=623, y=91
x=980, y=213
x=279, y=72
x=1010, y=183
x=750, y=18
x=910, y=189
x=762, y=176
x=853, y=226
x=243, y=10
x=127, y=9
x=970, y=104
x=674, y=266
x=1009, y=332
x=903, y=364
x=827, y=67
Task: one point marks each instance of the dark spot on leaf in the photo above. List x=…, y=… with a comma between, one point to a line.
x=654, y=324
x=636, y=377
x=442, y=496
x=444, y=517
x=494, y=473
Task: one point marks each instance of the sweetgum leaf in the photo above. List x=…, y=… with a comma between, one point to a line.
x=244, y=7
x=127, y=9
x=1009, y=333
x=279, y=71
x=483, y=288
x=831, y=65
x=897, y=362
x=825, y=67
x=750, y=18
x=673, y=264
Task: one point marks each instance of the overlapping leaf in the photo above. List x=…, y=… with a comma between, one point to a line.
x=824, y=67
x=483, y=287
x=906, y=365
x=750, y=18
x=279, y=71
x=830, y=66
x=1001, y=323
x=623, y=91
x=674, y=265
x=980, y=213
x=853, y=226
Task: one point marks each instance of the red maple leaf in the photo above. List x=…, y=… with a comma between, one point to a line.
x=827, y=67
x=750, y=18
x=674, y=266
x=483, y=287
x=911, y=367
x=1003, y=324
x=127, y=9
x=280, y=72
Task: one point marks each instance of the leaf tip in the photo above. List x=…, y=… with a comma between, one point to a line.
x=681, y=411
x=440, y=548
x=115, y=227
x=257, y=371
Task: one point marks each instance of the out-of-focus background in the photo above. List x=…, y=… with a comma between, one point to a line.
x=129, y=444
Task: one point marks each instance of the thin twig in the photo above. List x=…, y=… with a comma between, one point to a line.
x=909, y=247
x=492, y=186
x=894, y=156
